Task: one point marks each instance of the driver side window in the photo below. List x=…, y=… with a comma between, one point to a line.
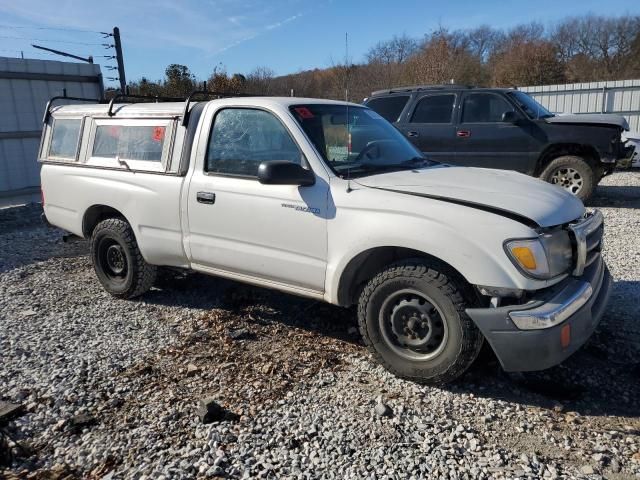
x=242, y=138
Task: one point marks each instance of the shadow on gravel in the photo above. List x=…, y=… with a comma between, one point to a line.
x=256, y=305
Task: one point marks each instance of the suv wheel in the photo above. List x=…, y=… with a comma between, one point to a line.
x=412, y=318
x=573, y=174
x=117, y=260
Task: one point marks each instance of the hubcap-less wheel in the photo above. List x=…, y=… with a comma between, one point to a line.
x=413, y=326
x=112, y=259
x=569, y=179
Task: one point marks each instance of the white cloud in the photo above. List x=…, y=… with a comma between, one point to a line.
x=210, y=27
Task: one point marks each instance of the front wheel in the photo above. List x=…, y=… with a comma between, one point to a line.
x=117, y=260
x=412, y=318
x=571, y=173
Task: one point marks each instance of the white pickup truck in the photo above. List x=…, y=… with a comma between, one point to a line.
x=328, y=200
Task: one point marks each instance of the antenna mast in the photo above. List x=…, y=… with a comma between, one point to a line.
x=346, y=66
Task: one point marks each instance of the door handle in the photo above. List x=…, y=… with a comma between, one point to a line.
x=412, y=134
x=463, y=133
x=206, y=197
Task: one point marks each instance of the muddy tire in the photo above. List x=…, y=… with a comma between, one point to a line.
x=117, y=260
x=413, y=321
x=573, y=174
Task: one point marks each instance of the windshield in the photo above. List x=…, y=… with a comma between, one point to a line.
x=356, y=141
x=532, y=108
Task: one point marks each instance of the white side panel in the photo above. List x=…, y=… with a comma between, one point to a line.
x=274, y=232
x=149, y=202
x=468, y=239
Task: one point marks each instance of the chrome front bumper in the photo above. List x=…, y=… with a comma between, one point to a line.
x=567, y=302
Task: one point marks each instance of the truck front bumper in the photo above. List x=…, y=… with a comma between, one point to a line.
x=582, y=300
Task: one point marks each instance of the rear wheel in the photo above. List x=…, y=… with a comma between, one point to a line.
x=571, y=173
x=117, y=260
x=412, y=318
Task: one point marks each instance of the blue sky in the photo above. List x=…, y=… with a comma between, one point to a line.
x=285, y=35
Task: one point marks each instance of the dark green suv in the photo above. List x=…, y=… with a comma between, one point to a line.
x=507, y=129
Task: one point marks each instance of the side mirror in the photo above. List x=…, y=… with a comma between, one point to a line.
x=284, y=172
x=509, y=117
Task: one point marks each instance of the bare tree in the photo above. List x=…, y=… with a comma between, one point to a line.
x=533, y=62
x=260, y=80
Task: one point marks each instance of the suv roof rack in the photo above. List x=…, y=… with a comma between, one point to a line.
x=417, y=88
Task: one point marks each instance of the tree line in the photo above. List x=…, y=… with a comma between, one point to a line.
x=578, y=49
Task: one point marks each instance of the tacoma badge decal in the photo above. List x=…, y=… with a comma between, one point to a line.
x=300, y=208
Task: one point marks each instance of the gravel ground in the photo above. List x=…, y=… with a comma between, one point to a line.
x=111, y=387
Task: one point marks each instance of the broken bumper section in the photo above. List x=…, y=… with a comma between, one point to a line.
x=548, y=329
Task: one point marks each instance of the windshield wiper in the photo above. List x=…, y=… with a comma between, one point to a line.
x=418, y=162
x=368, y=167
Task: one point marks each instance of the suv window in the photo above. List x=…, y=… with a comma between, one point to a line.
x=434, y=109
x=484, y=108
x=64, y=139
x=128, y=142
x=242, y=138
x=389, y=108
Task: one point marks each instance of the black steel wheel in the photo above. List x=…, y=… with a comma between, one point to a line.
x=413, y=321
x=117, y=260
x=412, y=325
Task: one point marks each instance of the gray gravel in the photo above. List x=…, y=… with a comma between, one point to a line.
x=112, y=387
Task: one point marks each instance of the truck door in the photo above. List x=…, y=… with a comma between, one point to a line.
x=429, y=126
x=237, y=225
x=483, y=139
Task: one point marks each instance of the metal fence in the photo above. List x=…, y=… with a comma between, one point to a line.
x=25, y=87
x=621, y=97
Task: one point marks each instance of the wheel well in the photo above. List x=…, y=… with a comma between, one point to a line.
x=95, y=214
x=587, y=152
x=367, y=264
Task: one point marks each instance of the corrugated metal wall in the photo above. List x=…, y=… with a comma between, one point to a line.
x=622, y=96
x=25, y=88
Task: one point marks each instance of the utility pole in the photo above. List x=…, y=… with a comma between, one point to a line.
x=119, y=59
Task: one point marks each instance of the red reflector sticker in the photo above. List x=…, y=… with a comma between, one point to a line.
x=304, y=112
x=158, y=134
x=565, y=336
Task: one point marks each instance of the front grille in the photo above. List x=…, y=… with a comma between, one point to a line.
x=587, y=233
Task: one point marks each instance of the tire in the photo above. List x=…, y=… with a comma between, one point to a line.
x=571, y=173
x=392, y=301
x=117, y=260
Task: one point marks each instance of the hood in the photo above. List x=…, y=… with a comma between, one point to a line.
x=500, y=191
x=591, y=118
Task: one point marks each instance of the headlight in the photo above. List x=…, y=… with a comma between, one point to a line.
x=544, y=257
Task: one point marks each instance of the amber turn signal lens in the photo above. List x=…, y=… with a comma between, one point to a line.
x=565, y=336
x=525, y=256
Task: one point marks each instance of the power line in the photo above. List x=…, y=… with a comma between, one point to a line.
x=64, y=29
x=54, y=41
